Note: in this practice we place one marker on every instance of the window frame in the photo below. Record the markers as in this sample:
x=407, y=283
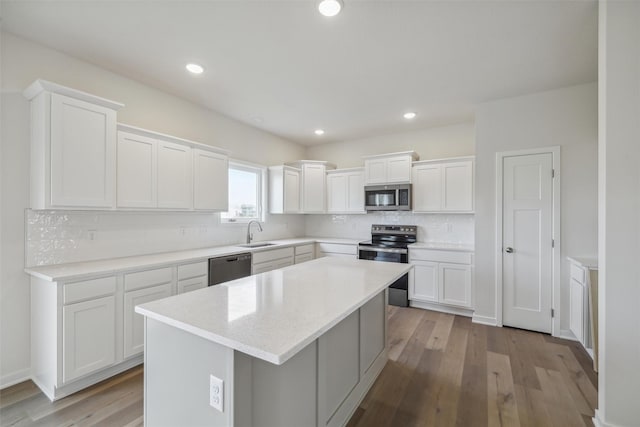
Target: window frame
x=261, y=191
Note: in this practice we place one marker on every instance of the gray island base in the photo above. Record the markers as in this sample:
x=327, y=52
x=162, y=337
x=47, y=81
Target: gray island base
x=294, y=347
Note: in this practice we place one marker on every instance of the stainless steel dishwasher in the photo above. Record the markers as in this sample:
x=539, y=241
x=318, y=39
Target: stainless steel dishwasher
x=231, y=267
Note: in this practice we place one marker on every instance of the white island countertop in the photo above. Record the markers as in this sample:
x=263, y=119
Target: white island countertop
x=274, y=315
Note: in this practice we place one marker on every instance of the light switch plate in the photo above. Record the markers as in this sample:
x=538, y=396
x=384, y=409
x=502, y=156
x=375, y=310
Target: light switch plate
x=216, y=393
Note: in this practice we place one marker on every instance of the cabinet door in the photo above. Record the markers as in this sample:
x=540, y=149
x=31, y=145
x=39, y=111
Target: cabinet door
x=210, y=181
x=355, y=192
x=83, y=148
x=375, y=171
x=313, y=193
x=136, y=171
x=337, y=192
x=576, y=309
x=457, y=186
x=454, y=282
x=399, y=169
x=175, y=179
x=263, y=267
x=193, y=284
x=89, y=334
x=303, y=258
x=427, y=188
x=423, y=281
x=134, y=322
x=283, y=263
x=291, y=191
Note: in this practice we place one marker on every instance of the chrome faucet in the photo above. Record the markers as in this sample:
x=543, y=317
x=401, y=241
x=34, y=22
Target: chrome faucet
x=249, y=233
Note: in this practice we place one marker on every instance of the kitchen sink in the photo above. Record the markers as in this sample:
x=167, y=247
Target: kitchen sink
x=256, y=245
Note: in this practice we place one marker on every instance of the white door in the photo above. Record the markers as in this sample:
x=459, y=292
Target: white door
x=527, y=241
x=457, y=186
x=427, y=188
x=375, y=171
x=399, y=169
x=454, y=282
x=193, y=284
x=134, y=322
x=337, y=192
x=136, y=171
x=210, y=181
x=423, y=281
x=291, y=191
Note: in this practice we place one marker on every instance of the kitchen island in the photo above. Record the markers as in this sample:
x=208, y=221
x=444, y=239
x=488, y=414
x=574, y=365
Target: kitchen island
x=298, y=346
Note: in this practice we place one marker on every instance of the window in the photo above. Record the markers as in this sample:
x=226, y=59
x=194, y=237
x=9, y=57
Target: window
x=245, y=193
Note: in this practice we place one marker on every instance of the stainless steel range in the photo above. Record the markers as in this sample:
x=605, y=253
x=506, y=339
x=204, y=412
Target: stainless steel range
x=389, y=243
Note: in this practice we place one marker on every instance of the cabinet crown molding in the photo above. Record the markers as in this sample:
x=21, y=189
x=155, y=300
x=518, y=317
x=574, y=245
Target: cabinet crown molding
x=445, y=160
x=298, y=163
x=165, y=137
x=39, y=86
x=413, y=154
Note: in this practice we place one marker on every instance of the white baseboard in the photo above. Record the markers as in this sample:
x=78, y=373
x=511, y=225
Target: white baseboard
x=484, y=320
x=15, y=378
x=599, y=422
x=441, y=308
x=566, y=334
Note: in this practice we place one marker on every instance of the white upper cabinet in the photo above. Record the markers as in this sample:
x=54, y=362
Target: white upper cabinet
x=73, y=148
x=136, y=171
x=210, y=180
x=284, y=189
x=345, y=191
x=156, y=171
x=391, y=168
x=443, y=186
x=313, y=185
x=175, y=176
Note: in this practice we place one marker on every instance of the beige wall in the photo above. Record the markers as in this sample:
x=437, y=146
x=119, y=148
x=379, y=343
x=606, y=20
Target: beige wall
x=22, y=63
x=567, y=118
x=433, y=143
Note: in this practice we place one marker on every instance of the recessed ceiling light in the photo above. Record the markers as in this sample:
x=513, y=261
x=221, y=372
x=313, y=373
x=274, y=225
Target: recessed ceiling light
x=194, y=68
x=330, y=7
x=410, y=115
x=318, y=132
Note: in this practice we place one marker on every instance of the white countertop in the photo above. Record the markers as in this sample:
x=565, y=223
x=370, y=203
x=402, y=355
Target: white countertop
x=441, y=246
x=274, y=315
x=585, y=261
x=78, y=270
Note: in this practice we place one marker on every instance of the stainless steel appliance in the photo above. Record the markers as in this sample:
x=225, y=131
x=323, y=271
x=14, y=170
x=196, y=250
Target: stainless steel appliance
x=389, y=243
x=387, y=197
x=225, y=268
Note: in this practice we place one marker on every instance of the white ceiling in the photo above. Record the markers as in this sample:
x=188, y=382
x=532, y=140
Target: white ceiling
x=282, y=67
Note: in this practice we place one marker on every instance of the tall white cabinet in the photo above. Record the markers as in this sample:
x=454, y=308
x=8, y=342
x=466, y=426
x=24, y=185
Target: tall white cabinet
x=443, y=185
x=284, y=189
x=313, y=185
x=73, y=148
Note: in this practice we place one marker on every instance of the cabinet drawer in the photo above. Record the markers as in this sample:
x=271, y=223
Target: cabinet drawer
x=195, y=269
x=258, y=257
x=337, y=248
x=147, y=278
x=577, y=273
x=440, y=256
x=303, y=258
x=304, y=249
x=88, y=289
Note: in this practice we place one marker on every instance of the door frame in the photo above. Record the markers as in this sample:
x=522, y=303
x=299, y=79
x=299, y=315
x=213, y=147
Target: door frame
x=555, y=226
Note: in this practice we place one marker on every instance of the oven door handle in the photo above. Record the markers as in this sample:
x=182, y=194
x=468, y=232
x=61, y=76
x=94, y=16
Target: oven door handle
x=391, y=251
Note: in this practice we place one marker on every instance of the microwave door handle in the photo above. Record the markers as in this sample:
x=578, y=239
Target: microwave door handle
x=397, y=197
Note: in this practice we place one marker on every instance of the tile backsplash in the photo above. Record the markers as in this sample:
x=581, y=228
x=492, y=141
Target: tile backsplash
x=431, y=228
x=56, y=237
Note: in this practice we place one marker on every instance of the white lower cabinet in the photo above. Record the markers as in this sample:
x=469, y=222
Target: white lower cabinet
x=577, y=298
x=583, y=302
x=192, y=276
x=441, y=279
x=134, y=322
x=304, y=253
x=89, y=337
x=264, y=261
x=423, y=281
x=336, y=249
x=193, y=284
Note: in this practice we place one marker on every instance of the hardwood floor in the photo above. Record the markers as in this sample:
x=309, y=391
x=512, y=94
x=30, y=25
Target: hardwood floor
x=443, y=370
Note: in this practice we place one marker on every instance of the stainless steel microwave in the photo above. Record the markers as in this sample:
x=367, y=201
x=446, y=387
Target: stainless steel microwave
x=387, y=197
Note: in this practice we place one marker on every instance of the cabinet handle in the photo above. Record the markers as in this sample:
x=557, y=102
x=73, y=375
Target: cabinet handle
x=509, y=250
